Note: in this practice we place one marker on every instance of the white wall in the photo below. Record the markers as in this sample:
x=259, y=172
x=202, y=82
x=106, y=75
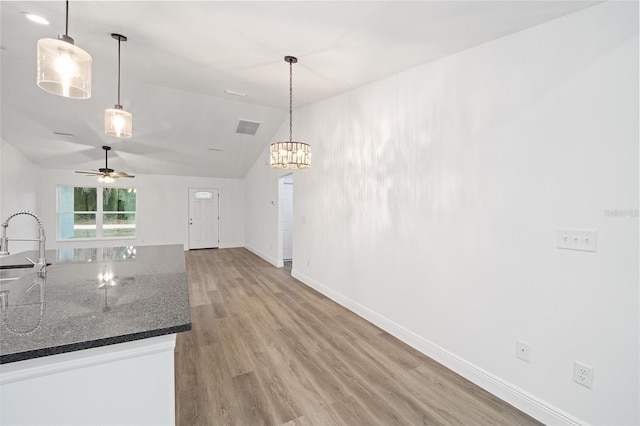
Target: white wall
x=19, y=181
x=261, y=209
x=434, y=199
x=162, y=216
x=162, y=208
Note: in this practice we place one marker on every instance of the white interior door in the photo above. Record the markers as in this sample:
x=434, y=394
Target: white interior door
x=287, y=218
x=203, y=218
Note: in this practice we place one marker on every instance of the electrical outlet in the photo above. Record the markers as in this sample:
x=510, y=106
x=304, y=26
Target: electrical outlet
x=583, y=374
x=523, y=350
x=577, y=239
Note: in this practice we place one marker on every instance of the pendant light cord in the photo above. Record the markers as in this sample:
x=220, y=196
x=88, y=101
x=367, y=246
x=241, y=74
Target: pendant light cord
x=66, y=23
x=290, y=102
x=119, y=70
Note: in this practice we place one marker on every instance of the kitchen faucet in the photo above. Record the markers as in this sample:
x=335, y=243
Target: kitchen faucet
x=41, y=264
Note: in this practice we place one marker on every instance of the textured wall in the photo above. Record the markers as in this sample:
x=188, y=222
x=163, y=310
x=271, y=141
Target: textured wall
x=435, y=196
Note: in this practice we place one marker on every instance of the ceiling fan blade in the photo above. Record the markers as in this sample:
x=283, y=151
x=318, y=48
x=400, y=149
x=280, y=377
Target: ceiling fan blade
x=120, y=174
x=89, y=173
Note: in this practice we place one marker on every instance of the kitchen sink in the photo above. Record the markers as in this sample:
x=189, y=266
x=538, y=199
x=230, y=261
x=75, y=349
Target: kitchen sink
x=14, y=273
x=8, y=273
x=24, y=265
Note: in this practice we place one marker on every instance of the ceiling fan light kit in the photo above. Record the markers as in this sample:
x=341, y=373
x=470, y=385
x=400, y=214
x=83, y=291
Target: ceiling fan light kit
x=105, y=174
x=290, y=154
x=64, y=69
x=117, y=121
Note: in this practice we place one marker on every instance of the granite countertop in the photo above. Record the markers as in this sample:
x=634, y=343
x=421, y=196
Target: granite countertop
x=93, y=297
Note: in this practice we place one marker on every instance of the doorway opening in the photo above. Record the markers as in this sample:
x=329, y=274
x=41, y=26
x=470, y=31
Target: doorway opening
x=285, y=221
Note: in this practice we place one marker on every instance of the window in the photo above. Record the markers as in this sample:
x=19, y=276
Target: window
x=77, y=212
x=203, y=195
x=87, y=212
x=119, y=212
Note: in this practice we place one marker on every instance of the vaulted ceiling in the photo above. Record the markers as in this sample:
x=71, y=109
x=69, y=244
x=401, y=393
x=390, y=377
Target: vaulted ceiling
x=181, y=56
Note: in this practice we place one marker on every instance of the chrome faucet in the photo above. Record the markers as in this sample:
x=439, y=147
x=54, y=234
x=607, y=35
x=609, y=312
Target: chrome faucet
x=41, y=265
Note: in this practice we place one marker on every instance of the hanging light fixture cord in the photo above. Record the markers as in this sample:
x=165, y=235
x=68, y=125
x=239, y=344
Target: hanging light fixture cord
x=66, y=23
x=290, y=101
x=119, y=40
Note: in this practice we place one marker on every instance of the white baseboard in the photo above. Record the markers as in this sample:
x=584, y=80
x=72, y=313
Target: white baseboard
x=519, y=398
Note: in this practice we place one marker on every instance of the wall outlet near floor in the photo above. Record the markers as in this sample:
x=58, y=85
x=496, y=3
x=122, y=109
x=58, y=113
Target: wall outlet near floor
x=577, y=239
x=523, y=350
x=583, y=374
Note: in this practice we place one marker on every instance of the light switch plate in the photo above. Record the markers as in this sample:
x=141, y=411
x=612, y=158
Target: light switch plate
x=578, y=239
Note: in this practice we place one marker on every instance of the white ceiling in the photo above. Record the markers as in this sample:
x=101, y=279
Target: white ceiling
x=182, y=55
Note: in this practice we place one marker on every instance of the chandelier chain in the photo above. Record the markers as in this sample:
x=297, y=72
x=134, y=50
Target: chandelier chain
x=290, y=102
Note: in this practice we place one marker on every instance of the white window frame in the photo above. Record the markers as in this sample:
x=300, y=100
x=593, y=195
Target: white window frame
x=99, y=214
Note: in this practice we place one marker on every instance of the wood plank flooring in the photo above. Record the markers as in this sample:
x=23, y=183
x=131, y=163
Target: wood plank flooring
x=267, y=350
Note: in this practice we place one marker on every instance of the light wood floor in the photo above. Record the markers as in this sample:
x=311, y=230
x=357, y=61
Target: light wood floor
x=267, y=350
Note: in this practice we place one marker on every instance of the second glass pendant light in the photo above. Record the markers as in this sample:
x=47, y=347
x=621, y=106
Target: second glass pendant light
x=117, y=121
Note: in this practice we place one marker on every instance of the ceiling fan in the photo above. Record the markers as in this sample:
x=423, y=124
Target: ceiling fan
x=106, y=174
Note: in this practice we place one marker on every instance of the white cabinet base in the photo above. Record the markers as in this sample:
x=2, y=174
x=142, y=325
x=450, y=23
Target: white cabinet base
x=128, y=383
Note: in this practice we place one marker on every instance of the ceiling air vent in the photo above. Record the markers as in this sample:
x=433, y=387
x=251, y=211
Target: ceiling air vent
x=246, y=127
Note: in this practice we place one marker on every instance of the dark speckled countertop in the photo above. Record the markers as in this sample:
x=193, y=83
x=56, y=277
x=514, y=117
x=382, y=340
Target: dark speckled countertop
x=93, y=297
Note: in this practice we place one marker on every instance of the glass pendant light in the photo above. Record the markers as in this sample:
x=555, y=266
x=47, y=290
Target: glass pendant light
x=117, y=121
x=63, y=68
x=290, y=155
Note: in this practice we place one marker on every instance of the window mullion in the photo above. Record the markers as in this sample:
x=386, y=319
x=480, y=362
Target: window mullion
x=99, y=213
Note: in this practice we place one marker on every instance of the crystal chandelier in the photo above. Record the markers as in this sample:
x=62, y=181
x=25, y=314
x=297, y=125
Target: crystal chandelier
x=290, y=155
